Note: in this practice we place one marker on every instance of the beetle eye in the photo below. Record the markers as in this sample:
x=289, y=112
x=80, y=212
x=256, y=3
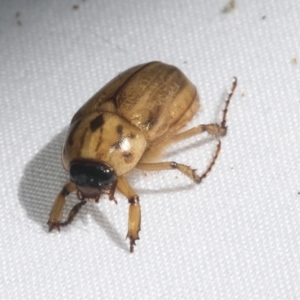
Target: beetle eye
x=91, y=174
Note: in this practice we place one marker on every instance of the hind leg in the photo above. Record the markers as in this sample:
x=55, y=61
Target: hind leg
x=217, y=130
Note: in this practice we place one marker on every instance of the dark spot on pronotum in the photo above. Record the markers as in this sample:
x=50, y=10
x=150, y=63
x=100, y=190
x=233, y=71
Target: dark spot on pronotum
x=128, y=157
x=127, y=154
x=131, y=135
x=119, y=129
x=116, y=145
x=96, y=123
x=72, y=130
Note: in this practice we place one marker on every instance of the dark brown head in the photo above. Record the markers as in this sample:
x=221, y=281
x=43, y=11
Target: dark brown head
x=91, y=178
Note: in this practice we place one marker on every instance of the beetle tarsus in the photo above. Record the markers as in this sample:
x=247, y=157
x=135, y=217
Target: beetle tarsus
x=208, y=169
x=57, y=225
x=53, y=225
x=115, y=200
x=132, y=243
x=71, y=216
x=227, y=102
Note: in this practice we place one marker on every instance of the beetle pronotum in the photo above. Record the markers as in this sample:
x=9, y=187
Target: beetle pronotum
x=126, y=125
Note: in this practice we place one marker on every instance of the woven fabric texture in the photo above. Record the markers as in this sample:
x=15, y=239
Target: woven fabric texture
x=234, y=236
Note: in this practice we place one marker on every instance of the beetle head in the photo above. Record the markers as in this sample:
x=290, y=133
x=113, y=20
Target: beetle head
x=91, y=177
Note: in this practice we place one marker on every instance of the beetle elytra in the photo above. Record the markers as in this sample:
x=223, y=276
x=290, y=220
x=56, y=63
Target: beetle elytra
x=126, y=125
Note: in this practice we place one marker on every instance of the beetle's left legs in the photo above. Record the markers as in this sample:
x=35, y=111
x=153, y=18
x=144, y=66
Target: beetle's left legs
x=186, y=170
x=73, y=212
x=111, y=193
x=58, y=205
x=134, y=218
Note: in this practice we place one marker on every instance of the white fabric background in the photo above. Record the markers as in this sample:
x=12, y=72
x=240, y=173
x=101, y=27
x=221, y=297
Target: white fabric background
x=235, y=236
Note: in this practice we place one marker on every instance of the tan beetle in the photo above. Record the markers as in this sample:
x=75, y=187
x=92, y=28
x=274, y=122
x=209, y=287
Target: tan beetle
x=126, y=125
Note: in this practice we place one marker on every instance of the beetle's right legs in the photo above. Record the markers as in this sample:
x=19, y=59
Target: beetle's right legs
x=213, y=129
x=186, y=170
x=58, y=205
x=134, y=217
x=217, y=130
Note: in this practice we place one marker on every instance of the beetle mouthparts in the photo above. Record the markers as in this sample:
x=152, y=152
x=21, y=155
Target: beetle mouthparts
x=88, y=192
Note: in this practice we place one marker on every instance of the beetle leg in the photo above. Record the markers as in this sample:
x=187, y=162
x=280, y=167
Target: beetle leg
x=58, y=205
x=112, y=190
x=227, y=101
x=73, y=212
x=186, y=170
x=217, y=130
x=213, y=129
x=134, y=218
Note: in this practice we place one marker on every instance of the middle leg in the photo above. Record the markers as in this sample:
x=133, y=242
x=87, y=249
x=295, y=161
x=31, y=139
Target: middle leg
x=186, y=170
x=216, y=130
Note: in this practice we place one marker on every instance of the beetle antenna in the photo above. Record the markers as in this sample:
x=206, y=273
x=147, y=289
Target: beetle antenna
x=227, y=101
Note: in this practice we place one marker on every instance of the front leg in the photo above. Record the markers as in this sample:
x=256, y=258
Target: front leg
x=134, y=218
x=58, y=206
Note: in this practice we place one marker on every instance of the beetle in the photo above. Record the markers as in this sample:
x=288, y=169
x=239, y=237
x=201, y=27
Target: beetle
x=126, y=125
